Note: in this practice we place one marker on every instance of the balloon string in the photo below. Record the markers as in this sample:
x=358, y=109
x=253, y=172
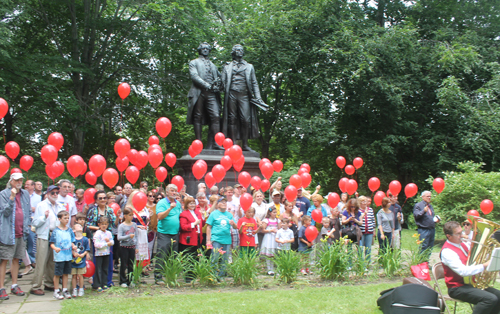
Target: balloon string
x=121, y=117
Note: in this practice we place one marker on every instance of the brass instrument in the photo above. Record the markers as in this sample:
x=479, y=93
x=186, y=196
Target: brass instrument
x=481, y=250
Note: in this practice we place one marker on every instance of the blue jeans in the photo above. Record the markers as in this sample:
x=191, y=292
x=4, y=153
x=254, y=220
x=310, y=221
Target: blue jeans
x=386, y=243
x=223, y=259
x=427, y=236
x=366, y=246
x=31, y=246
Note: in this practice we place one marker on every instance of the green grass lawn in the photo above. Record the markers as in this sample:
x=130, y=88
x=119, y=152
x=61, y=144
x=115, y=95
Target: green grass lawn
x=340, y=299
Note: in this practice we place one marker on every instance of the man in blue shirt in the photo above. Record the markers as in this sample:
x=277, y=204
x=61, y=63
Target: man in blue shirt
x=424, y=218
x=302, y=202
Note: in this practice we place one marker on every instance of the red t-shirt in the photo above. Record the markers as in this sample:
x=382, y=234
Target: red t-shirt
x=247, y=238
x=19, y=223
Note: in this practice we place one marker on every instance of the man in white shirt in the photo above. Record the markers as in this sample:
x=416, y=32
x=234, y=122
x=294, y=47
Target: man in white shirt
x=454, y=256
x=67, y=201
x=34, y=200
x=233, y=206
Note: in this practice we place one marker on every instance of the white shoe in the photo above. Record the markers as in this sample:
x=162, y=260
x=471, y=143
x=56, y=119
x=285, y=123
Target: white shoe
x=124, y=285
x=75, y=293
x=81, y=292
x=66, y=294
x=58, y=296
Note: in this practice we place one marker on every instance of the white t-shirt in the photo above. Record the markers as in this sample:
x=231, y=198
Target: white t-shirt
x=68, y=203
x=283, y=234
x=260, y=210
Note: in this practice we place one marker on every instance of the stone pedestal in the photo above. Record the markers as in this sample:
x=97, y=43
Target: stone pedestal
x=213, y=157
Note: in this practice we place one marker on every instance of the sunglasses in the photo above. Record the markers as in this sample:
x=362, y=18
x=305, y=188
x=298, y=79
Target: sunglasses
x=54, y=193
x=102, y=198
x=151, y=196
x=466, y=224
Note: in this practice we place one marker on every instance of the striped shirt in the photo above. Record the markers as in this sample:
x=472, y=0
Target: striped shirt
x=368, y=220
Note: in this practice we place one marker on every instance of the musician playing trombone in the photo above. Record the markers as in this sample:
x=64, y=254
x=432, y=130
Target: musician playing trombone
x=454, y=256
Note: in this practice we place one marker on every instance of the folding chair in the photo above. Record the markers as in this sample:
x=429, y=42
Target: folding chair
x=438, y=273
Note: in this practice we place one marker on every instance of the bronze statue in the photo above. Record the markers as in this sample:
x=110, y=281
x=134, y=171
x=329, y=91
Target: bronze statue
x=241, y=99
x=204, y=96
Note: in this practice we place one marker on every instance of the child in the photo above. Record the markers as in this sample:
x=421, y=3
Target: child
x=103, y=239
x=79, y=262
x=327, y=232
x=304, y=244
x=81, y=219
x=284, y=236
x=270, y=226
x=126, y=235
x=62, y=242
x=247, y=227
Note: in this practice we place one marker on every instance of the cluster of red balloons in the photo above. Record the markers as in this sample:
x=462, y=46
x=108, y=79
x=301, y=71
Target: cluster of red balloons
x=349, y=186
x=195, y=148
x=349, y=169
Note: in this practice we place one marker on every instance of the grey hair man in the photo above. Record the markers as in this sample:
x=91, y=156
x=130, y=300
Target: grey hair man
x=66, y=200
x=424, y=218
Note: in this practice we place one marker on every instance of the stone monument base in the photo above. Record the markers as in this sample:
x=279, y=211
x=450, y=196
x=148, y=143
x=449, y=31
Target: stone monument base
x=212, y=157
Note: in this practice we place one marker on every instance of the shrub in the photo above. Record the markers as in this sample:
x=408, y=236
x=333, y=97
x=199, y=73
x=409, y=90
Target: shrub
x=244, y=268
x=204, y=269
x=287, y=264
x=390, y=260
x=333, y=260
x=135, y=275
x=172, y=267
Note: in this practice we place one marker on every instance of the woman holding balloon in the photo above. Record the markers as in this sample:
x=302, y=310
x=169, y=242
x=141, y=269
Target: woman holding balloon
x=367, y=227
x=317, y=207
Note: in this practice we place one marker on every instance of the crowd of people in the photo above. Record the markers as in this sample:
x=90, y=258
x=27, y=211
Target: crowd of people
x=55, y=231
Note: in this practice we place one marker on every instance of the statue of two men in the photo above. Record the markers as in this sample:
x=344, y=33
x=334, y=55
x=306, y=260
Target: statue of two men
x=241, y=97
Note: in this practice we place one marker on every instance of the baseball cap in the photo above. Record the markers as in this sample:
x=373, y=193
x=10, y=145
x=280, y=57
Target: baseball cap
x=52, y=187
x=222, y=199
x=237, y=185
x=276, y=193
x=16, y=176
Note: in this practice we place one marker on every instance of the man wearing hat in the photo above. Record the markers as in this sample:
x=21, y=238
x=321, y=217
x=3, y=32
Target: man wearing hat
x=276, y=203
x=45, y=221
x=302, y=202
x=15, y=221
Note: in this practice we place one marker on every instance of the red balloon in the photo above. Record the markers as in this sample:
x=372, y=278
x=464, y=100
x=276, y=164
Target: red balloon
x=59, y=167
x=197, y=146
x=178, y=181
x=56, y=139
x=12, y=149
x=91, y=178
x=139, y=201
x=373, y=184
x=199, y=169
x=191, y=152
x=291, y=193
x=161, y=174
x=349, y=169
x=227, y=143
x=246, y=201
x=49, y=154
x=379, y=196
x=340, y=162
x=153, y=139
x=110, y=177
x=122, y=147
x=163, y=127
x=256, y=182
x=209, y=180
x=116, y=208
x=123, y=90
x=333, y=199
x=306, y=179
x=226, y=162
x=438, y=185
x=306, y=166
x=351, y=186
x=277, y=165
x=301, y=171
x=473, y=212
x=121, y=163
x=51, y=171
x=97, y=164
x=90, y=269
x=142, y=159
x=486, y=206
x=218, y=172
x=411, y=190
x=15, y=170
x=155, y=158
x=88, y=196
x=75, y=165
x=238, y=165
x=317, y=215
x=357, y=162
x=4, y=165
x=26, y=162
x=263, y=161
x=4, y=108
x=219, y=138
x=342, y=184
x=265, y=185
x=311, y=233
x=84, y=169
x=244, y=179
x=235, y=152
x=154, y=146
x=395, y=187
x=267, y=170
x=132, y=174
x=170, y=159
x=132, y=156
